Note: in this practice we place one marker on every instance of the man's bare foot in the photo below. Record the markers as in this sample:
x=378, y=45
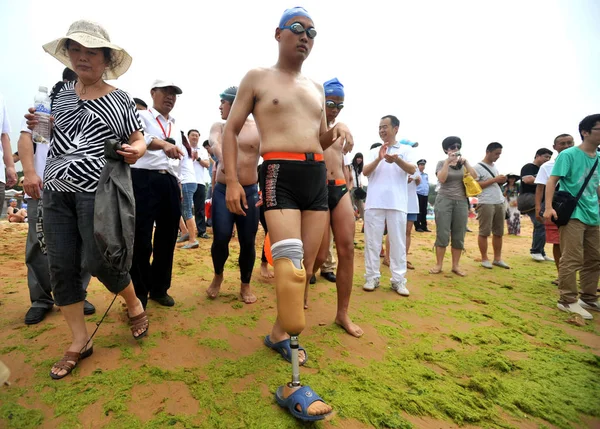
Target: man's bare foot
x=75, y=347
x=317, y=408
x=459, y=272
x=246, y=294
x=435, y=270
x=215, y=287
x=349, y=326
x=265, y=272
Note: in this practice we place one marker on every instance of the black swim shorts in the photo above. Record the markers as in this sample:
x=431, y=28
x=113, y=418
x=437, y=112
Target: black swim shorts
x=336, y=192
x=296, y=185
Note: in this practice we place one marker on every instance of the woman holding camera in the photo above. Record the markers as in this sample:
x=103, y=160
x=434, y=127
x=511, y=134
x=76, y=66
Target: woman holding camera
x=451, y=208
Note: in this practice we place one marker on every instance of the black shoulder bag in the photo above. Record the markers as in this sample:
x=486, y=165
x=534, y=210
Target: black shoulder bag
x=564, y=203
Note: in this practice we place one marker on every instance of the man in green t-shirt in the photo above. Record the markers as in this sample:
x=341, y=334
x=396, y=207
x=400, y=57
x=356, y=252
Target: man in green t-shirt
x=580, y=238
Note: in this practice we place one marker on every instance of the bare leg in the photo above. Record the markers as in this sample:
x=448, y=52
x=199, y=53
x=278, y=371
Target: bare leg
x=386, y=257
x=134, y=305
x=342, y=222
x=439, y=258
x=497, y=245
x=321, y=257
x=455, y=260
x=191, y=229
x=182, y=227
x=483, y=247
x=73, y=315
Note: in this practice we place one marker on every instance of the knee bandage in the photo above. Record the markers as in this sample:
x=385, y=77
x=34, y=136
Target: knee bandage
x=290, y=281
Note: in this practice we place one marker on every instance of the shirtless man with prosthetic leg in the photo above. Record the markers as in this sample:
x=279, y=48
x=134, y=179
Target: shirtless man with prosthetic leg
x=341, y=214
x=289, y=110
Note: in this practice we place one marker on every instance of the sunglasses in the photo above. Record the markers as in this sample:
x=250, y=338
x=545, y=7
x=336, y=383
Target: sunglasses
x=298, y=28
x=333, y=105
x=454, y=147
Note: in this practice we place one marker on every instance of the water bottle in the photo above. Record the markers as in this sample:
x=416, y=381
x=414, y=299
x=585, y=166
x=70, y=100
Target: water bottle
x=41, y=132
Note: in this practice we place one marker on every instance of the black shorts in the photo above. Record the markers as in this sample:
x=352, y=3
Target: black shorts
x=336, y=192
x=296, y=185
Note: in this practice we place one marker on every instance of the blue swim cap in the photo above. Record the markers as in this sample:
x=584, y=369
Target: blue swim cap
x=333, y=87
x=291, y=13
x=229, y=94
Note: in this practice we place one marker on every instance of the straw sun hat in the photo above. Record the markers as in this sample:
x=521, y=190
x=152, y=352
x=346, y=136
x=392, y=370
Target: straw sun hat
x=90, y=35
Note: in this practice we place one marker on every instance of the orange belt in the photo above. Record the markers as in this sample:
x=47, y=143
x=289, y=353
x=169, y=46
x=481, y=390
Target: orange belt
x=293, y=156
x=336, y=182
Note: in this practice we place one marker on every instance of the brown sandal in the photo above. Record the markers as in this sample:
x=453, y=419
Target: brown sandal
x=409, y=265
x=138, y=322
x=67, y=364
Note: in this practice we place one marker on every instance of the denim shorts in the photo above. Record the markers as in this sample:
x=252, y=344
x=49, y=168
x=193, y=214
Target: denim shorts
x=188, y=190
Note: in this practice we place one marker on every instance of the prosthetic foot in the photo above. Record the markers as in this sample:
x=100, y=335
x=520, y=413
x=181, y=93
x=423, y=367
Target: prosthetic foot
x=290, y=282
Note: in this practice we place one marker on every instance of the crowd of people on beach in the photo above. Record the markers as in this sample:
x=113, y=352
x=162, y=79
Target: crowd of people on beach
x=281, y=159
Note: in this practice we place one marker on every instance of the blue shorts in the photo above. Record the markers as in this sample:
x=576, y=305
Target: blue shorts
x=188, y=190
x=412, y=217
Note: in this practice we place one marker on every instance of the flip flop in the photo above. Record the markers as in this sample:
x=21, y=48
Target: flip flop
x=284, y=349
x=304, y=397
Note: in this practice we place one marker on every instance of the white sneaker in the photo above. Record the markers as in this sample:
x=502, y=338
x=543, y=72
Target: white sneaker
x=537, y=257
x=400, y=287
x=574, y=308
x=371, y=285
x=548, y=258
x=594, y=306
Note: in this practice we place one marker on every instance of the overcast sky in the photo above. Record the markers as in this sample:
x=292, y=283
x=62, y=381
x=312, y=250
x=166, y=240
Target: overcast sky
x=517, y=72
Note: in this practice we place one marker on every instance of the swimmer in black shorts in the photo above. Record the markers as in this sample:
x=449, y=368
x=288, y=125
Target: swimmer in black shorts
x=341, y=214
x=293, y=136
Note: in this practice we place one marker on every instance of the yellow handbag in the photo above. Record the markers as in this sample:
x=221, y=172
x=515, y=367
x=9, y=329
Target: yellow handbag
x=472, y=187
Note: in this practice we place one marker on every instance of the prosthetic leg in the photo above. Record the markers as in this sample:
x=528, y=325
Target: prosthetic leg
x=289, y=288
x=290, y=282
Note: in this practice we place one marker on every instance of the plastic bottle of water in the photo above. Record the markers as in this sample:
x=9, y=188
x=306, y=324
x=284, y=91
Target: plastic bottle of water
x=41, y=132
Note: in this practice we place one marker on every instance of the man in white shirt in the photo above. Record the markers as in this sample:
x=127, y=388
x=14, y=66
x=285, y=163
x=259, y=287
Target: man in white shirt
x=201, y=163
x=387, y=203
x=157, y=197
x=561, y=142
x=8, y=178
x=491, y=210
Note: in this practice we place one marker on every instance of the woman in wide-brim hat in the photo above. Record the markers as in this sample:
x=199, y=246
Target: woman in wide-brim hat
x=86, y=113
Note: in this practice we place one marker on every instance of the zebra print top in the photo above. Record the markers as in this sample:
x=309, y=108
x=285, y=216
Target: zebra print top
x=76, y=155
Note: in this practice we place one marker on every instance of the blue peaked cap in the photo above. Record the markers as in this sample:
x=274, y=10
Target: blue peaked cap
x=333, y=87
x=291, y=13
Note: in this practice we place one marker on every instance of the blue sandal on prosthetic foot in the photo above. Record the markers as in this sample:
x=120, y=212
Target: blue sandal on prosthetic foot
x=284, y=349
x=304, y=397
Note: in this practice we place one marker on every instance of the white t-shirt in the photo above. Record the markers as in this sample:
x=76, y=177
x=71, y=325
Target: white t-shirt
x=4, y=129
x=544, y=173
x=388, y=184
x=198, y=169
x=187, y=174
x=413, y=199
x=493, y=193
